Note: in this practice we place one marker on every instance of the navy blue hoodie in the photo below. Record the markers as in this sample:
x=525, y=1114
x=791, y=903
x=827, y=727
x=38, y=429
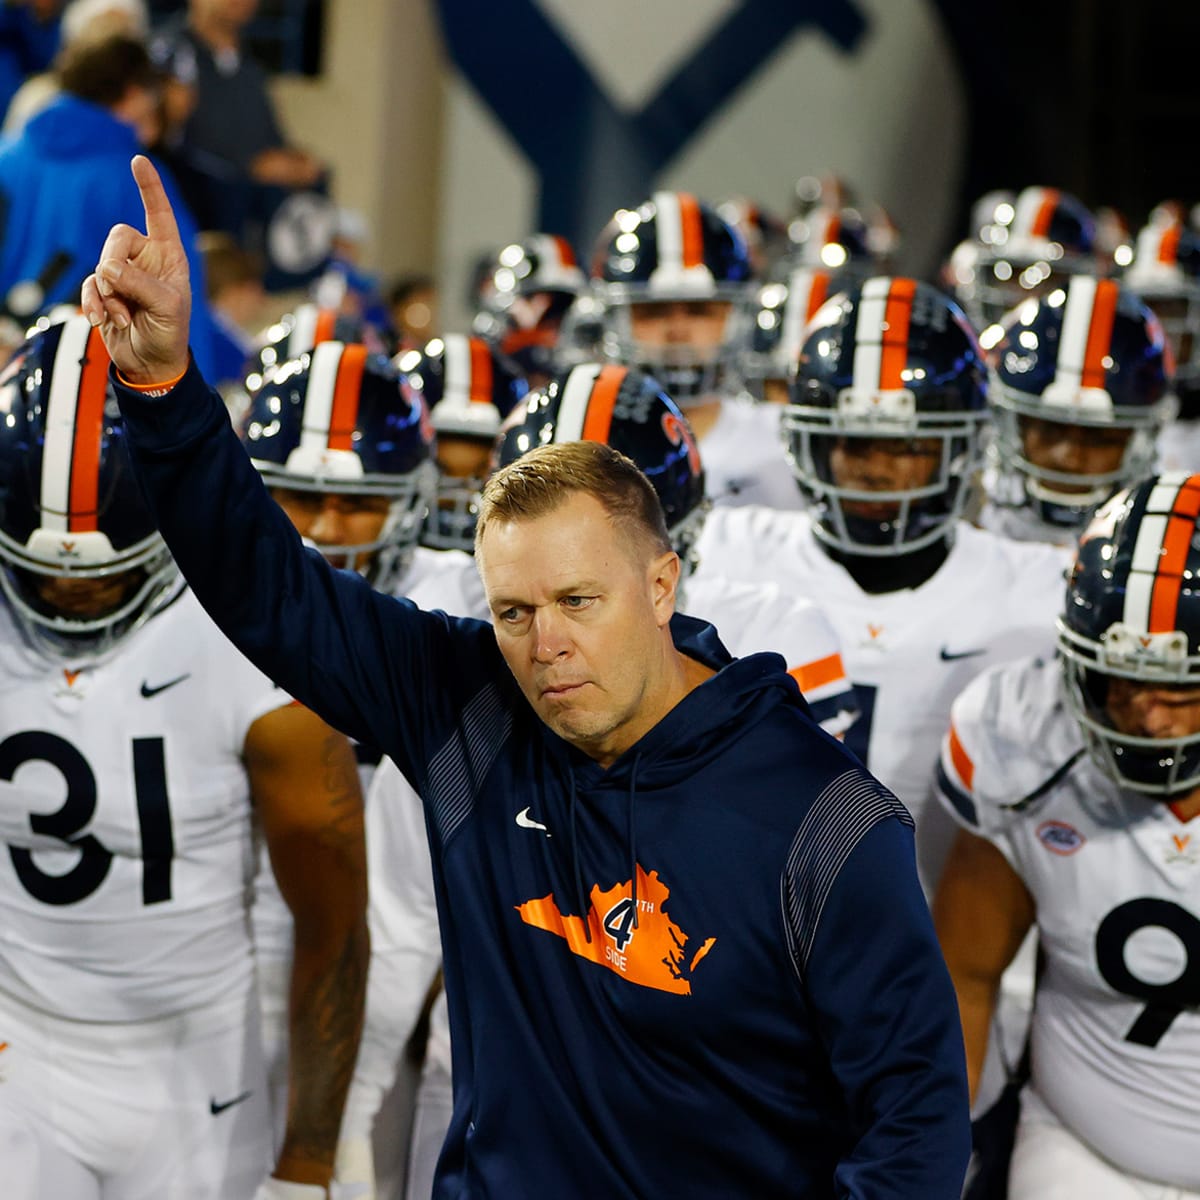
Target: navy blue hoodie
x=776, y=1022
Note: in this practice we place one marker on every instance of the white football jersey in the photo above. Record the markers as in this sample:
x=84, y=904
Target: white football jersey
x=910, y=652
x=744, y=458
x=125, y=813
x=1116, y=880
x=754, y=617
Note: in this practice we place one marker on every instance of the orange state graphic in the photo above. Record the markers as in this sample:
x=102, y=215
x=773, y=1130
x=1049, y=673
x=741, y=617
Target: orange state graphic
x=655, y=954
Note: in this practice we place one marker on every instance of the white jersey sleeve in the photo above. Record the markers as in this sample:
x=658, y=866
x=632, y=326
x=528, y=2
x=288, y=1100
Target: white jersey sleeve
x=125, y=807
x=755, y=617
x=405, y=941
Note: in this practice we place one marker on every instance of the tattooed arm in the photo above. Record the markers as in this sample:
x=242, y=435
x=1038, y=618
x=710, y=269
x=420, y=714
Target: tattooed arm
x=305, y=785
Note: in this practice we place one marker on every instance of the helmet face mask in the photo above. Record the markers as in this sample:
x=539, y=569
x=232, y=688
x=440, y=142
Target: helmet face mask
x=81, y=562
x=1132, y=624
x=909, y=389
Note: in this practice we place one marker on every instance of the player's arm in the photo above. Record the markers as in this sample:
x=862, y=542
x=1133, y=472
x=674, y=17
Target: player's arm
x=982, y=912
x=305, y=785
x=370, y=665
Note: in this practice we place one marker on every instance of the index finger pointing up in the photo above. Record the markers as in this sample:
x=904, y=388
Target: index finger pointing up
x=160, y=220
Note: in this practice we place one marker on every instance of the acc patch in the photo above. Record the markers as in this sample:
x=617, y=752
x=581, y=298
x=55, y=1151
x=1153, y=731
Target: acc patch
x=1060, y=838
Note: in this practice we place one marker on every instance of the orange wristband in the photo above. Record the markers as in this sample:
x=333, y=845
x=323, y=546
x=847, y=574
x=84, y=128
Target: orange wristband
x=152, y=389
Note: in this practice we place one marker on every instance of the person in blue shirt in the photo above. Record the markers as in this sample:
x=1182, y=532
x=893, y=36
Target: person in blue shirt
x=686, y=953
x=64, y=182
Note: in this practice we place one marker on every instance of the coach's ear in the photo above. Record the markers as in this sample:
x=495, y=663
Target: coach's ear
x=140, y=294
x=663, y=576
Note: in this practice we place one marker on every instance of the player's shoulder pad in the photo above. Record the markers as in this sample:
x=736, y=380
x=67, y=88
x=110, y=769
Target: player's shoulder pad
x=1004, y=739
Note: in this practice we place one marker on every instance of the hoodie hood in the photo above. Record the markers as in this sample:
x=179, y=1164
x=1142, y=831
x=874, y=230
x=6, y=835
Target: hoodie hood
x=696, y=730
x=70, y=128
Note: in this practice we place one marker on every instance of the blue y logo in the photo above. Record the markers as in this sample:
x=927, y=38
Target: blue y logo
x=592, y=157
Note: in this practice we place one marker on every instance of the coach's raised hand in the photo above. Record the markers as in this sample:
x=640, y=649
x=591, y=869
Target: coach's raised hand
x=139, y=294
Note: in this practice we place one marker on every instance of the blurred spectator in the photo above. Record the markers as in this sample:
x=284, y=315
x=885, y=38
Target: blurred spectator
x=345, y=284
x=82, y=20
x=233, y=125
x=413, y=303
x=65, y=181
x=236, y=297
x=28, y=42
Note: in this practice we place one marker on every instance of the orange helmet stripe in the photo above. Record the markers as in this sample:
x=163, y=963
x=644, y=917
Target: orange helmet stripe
x=564, y=250
x=961, y=759
x=897, y=318
x=1099, y=340
x=481, y=371
x=346, y=392
x=325, y=327
x=85, y=448
x=1177, y=538
x=598, y=423
x=691, y=229
x=1045, y=213
x=1168, y=246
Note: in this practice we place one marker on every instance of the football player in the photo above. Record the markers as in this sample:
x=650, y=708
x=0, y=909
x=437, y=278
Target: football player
x=1021, y=247
x=524, y=295
x=1079, y=396
x=1166, y=274
x=672, y=276
x=139, y=752
x=888, y=405
x=1076, y=783
x=467, y=387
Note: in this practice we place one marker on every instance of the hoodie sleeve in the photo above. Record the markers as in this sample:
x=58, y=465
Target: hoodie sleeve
x=372, y=666
x=863, y=946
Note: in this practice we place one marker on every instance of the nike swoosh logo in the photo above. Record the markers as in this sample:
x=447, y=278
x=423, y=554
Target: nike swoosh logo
x=216, y=1109
x=955, y=655
x=527, y=822
x=148, y=691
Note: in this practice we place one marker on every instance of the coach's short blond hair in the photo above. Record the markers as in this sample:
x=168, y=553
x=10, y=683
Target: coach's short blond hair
x=538, y=482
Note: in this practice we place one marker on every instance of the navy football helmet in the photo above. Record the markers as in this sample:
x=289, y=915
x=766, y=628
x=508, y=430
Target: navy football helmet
x=773, y=327
x=343, y=420
x=1133, y=612
x=673, y=248
x=1089, y=355
x=524, y=298
x=630, y=412
x=70, y=505
x=890, y=360
x=838, y=240
x=468, y=388
x=1166, y=274
x=1030, y=246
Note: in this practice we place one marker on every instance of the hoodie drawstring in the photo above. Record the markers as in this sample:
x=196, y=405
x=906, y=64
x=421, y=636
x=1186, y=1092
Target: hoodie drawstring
x=633, y=867
x=581, y=900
